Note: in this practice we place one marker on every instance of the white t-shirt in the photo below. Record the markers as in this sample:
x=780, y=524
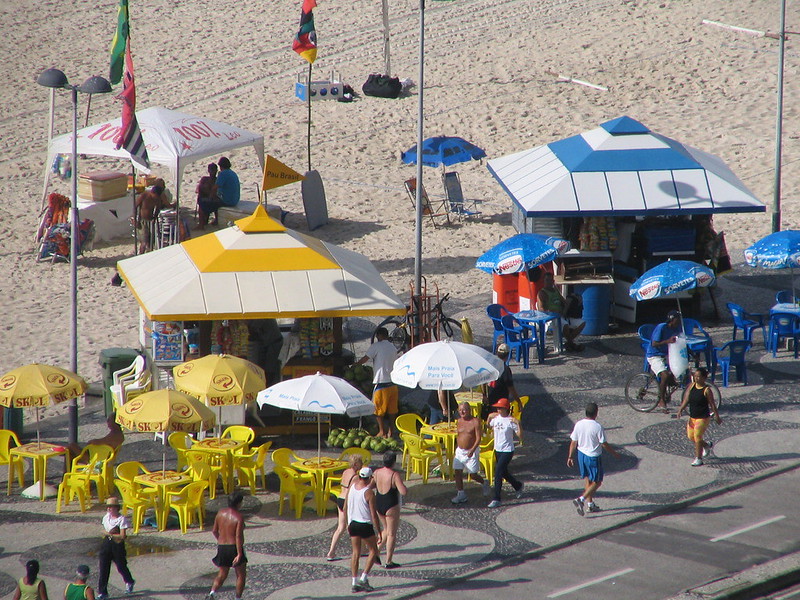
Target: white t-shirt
x=504, y=430
x=383, y=354
x=590, y=437
x=110, y=522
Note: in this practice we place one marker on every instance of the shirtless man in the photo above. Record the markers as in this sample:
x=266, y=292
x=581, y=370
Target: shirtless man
x=147, y=206
x=113, y=438
x=229, y=531
x=468, y=448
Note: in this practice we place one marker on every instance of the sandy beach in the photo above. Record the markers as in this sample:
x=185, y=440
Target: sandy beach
x=487, y=80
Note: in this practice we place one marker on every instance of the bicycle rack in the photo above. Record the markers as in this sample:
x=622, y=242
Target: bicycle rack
x=421, y=325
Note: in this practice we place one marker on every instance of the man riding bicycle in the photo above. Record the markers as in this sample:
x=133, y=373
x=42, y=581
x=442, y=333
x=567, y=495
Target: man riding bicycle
x=664, y=334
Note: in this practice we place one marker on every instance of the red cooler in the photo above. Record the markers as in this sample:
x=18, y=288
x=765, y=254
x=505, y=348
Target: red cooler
x=505, y=291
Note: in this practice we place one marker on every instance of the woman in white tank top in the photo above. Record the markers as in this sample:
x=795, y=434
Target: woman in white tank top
x=363, y=526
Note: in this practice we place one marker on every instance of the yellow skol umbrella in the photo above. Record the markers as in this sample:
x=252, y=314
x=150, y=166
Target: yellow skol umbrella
x=165, y=410
x=220, y=380
x=37, y=385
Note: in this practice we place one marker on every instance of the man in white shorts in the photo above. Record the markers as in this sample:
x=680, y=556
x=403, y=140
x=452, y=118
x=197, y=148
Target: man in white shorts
x=468, y=448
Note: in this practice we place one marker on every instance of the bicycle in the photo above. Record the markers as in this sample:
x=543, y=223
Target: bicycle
x=400, y=327
x=641, y=390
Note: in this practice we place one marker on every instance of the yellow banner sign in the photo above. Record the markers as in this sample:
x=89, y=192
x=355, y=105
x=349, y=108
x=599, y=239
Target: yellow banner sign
x=277, y=174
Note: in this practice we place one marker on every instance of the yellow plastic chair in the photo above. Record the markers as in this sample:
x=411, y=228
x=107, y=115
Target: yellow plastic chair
x=487, y=458
x=8, y=440
x=101, y=458
x=249, y=465
x=366, y=455
x=240, y=433
x=136, y=502
x=295, y=487
x=180, y=441
x=76, y=483
x=420, y=457
x=189, y=504
x=410, y=424
x=516, y=409
x=127, y=472
x=196, y=460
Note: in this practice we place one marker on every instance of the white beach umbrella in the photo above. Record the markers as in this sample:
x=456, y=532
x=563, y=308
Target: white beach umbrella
x=321, y=394
x=446, y=365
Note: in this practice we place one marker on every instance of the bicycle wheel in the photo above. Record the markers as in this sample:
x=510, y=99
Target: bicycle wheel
x=397, y=333
x=449, y=329
x=641, y=392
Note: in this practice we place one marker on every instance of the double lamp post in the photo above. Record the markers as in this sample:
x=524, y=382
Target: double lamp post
x=55, y=79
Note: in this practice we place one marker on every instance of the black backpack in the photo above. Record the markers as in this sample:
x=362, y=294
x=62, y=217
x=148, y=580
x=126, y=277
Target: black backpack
x=382, y=86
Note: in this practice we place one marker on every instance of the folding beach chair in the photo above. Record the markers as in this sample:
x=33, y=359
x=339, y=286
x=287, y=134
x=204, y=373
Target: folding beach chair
x=455, y=197
x=427, y=206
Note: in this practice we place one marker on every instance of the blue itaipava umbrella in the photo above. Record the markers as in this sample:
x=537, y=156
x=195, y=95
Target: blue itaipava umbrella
x=521, y=252
x=671, y=277
x=444, y=151
x=779, y=250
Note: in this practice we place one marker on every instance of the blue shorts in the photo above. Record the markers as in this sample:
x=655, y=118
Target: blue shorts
x=591, y=467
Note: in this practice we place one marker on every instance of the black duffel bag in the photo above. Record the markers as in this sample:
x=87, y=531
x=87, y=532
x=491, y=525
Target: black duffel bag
x=382, y=86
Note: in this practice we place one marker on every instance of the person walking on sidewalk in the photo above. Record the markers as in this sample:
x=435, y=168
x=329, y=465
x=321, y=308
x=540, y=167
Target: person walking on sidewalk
x=469, y=431
x=79, y=589
x=364, y=526
x=503, y=386
x=31, y=587
x=700, y=399
x=505, y=427
x=389, y=489
x=112, y=549
x=589, y=438
x=350, y=473
x=229, y=531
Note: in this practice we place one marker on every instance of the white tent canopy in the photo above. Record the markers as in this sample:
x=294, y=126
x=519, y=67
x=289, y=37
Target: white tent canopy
x=172, y=138
x=620, y=168
x=256, y=269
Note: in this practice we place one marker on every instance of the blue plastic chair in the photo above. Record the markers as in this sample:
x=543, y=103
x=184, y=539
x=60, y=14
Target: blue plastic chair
x=518, y=338
x=747, y=322
x=783, y=326
x=495, y=312
x=645, y=335
x=730, y=355
x=784, y=297
x=692, y=327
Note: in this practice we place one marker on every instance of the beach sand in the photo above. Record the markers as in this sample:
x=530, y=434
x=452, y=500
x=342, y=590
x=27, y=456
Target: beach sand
x=486, y=79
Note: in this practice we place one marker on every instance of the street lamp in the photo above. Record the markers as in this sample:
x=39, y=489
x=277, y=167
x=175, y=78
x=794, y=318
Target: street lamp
x=55, y=79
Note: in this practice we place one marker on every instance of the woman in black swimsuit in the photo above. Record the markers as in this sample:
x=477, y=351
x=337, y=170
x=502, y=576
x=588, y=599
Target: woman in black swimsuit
x=347, y=477
x=389, y=487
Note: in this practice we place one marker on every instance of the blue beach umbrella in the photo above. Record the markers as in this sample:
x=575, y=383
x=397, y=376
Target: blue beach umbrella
x=670, y=278
x=779, y=250
x=521, y=252
x=443, y=151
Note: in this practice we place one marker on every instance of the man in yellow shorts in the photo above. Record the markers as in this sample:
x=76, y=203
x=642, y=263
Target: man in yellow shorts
x=385, y=394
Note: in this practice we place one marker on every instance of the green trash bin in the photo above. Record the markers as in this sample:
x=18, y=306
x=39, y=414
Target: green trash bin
x=114, y=359
x=12, y=419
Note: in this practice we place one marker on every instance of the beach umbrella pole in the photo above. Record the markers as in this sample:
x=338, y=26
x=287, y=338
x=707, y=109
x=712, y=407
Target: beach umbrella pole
x=319, y=437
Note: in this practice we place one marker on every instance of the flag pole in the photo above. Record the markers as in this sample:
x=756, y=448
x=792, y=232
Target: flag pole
x=308, y=95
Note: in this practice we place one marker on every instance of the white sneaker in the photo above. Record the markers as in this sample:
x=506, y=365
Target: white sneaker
x=460, y=497
x=486, y=488
x=707, y=448
x=698, y=462
x=494, y=503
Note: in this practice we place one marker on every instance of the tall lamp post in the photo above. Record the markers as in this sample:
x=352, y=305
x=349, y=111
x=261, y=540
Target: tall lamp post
x=55, y=78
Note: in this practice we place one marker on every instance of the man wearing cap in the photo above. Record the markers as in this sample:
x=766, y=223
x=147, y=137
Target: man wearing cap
x=504, y=427
x=112, y=549
x=664, y=334
x=79, y=589
x=363, y=526
x=503, y=387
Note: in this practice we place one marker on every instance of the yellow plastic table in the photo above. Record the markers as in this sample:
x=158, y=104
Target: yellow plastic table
x=38, y=452
x=225, y=447
x=446, y=433
x=320, y=468
x=163, y=481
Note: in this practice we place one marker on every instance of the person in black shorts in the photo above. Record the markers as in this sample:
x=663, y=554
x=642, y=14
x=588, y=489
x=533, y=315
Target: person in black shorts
x=356, y=462
x=229, y=531
x=389, y=487
x=364, y=526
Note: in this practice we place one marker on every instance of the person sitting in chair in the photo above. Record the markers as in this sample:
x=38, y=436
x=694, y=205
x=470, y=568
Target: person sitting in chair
x=570, y=309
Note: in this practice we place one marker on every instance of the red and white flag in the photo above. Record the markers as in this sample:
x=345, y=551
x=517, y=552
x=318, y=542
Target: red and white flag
x=130, y=136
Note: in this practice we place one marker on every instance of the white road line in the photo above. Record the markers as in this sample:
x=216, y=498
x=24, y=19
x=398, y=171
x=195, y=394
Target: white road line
x=566, y=591
x=748, y=528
